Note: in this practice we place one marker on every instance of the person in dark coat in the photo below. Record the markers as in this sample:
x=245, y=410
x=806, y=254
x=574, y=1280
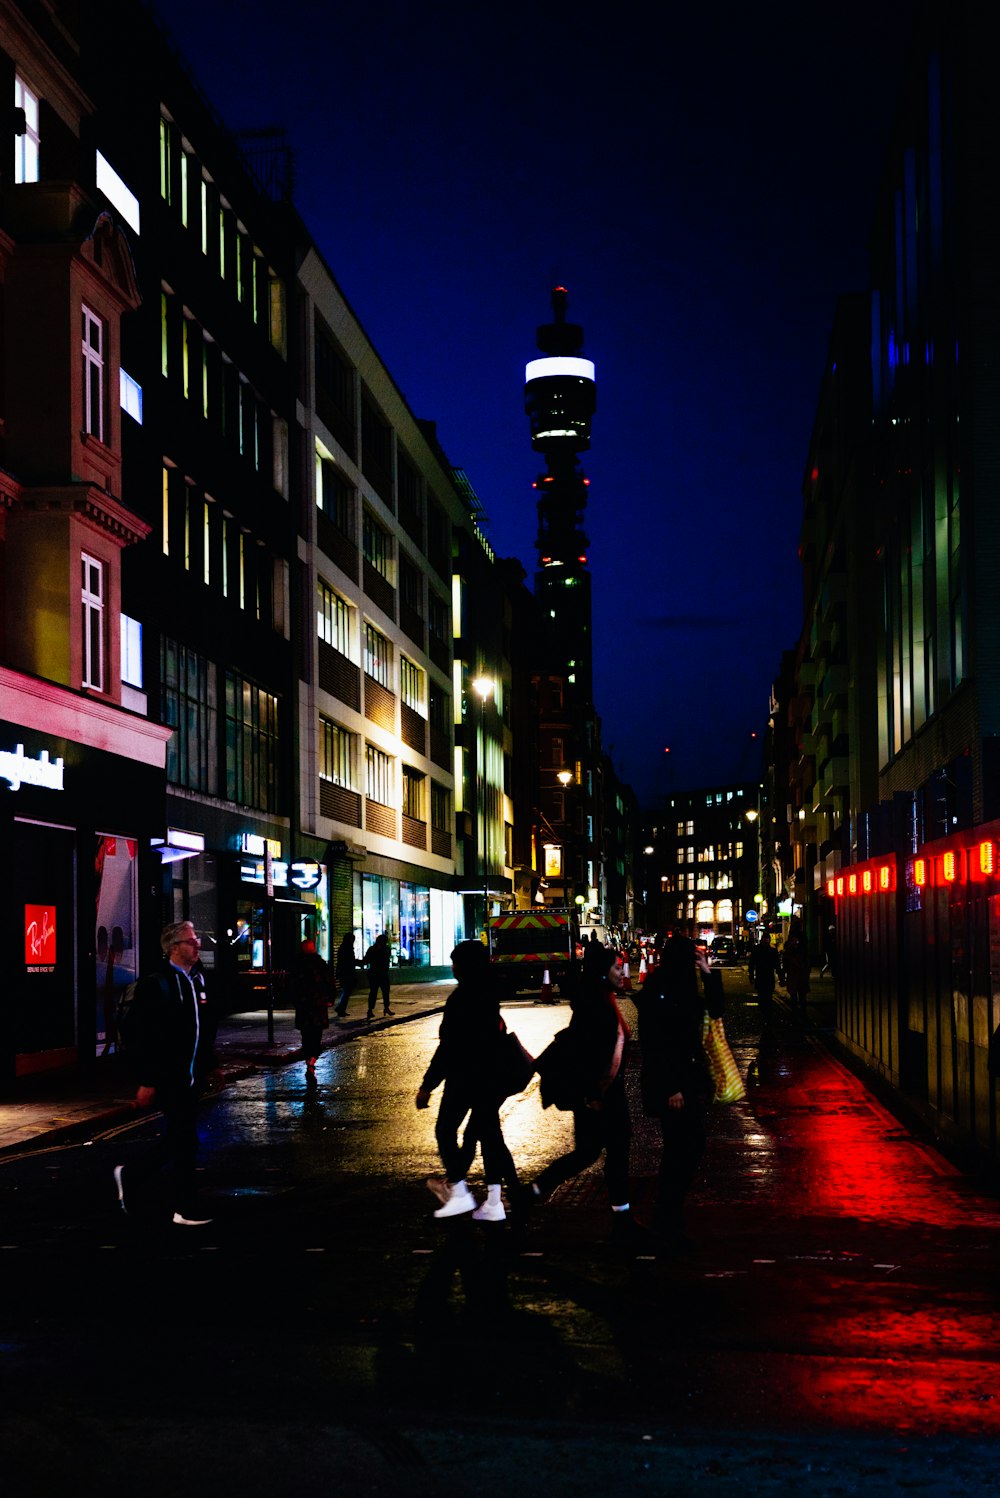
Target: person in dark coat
x=675, y=1081
x=765, y=969
x=347, y=972
x=582, y=1071
x=312, y=985
x=377, y=963
x=467, y=1060
x=170, y=1040
x=796, y=966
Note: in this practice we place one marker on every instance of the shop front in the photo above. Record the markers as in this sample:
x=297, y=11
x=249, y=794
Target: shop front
x=78, y=822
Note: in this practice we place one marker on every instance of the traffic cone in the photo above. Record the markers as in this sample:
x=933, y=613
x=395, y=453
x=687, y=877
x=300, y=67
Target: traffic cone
x=642, y=968
x=626, y=980
x=546, y=992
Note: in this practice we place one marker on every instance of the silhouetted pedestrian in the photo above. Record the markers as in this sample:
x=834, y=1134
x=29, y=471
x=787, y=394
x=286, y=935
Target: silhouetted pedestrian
x=468, y=1061
x=675, y=1081
x=346, y=971
x=581, y=1071
x=377, y=963
x=312, y=984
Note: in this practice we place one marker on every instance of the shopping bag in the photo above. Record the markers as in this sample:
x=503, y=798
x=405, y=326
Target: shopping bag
x=729, y=1085
x=516, y=1067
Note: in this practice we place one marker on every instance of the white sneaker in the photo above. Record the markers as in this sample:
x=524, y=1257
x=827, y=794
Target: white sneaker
x=190, y=1222
x=460, y=1199
x=490, y=1212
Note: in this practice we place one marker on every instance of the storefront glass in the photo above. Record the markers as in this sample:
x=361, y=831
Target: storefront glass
x=414, y=925
x=116, y=873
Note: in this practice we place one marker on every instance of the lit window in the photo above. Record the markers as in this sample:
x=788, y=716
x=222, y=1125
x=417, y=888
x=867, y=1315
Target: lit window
x=116, y=192
x=411, y=683
x=377, y=655
x=92, y=599
x=26, y=144
x=335, y=758
x=333, y=618
x=130, y=396
x=131, y=651
x=375, y=545
x=378, y=776
x=93, y=374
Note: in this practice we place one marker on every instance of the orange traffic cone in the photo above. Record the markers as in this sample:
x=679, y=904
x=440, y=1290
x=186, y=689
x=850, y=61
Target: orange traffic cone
x=546, y=992
x=642, y=968
x=626, y=980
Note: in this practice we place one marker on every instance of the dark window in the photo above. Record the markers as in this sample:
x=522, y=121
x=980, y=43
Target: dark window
x=188, y=706
x=335, y=401
x=376, y=448
x=251, y=744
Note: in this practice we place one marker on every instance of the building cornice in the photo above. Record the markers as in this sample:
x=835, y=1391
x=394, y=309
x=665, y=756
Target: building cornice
x=46, y=707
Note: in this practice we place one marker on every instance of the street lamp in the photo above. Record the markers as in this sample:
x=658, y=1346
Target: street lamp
x=753, y=815
x=564, y=777
x=483, y=686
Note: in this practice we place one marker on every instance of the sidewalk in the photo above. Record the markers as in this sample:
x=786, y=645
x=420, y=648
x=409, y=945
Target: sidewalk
x=52, y=1106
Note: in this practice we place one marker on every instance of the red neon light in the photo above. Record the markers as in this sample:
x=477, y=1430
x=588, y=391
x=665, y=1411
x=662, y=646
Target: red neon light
x=866, y=881
x=987, y=858
x=581, y=559
x=840, y=885
x=831, y=887
x=920, y=872
x=852, y=884
x=885, y=876
x=949, y=868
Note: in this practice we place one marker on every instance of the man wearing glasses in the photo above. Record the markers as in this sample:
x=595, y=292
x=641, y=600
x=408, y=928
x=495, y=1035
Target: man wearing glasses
x=170, y=1042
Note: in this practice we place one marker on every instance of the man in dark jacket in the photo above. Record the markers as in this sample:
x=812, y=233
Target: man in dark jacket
x=170, y=1040
x=675, y=1080
x=377, y=963
x=582, y=1070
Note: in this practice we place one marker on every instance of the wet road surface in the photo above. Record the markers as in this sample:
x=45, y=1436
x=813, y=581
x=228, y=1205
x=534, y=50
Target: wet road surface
x=843, y=1297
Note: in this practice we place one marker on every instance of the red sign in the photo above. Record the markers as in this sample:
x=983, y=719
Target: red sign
x=40, y=937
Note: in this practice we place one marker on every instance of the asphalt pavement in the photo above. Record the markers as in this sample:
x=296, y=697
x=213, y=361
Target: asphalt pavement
x=834, y=1328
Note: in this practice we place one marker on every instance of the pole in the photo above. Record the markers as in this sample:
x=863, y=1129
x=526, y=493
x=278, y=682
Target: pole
x=268, y=964
x=482, y=804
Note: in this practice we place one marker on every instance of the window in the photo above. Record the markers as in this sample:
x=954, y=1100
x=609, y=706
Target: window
x=411, y=684
x=440, y=807
x=93, y=374
x=92, y=598
x=166, y=160
x=377, y=655
x=117, y=193
x=130, y=396
x=437, y=617
x=411, y=586
x=439, y=709
x=378, y=776
x=375, y=544
x=334, y=494
x=557, y=753
x=333, y=618
x=188, y=706
x=413, y=794
x=131, y=630
x=251, y=744
x=336, y=761
x=26, y=144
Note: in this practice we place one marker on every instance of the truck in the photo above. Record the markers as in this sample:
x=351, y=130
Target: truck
x=524, y=945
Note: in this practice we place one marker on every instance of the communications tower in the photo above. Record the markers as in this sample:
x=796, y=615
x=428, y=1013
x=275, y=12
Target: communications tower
x=560, y=398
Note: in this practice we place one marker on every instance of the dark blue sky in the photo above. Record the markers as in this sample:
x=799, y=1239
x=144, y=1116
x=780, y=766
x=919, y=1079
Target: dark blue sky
x=703, y=187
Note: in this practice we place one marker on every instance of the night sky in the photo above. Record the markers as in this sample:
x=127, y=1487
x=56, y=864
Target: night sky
x=704, y=189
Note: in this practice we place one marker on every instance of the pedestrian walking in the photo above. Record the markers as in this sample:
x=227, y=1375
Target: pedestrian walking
x=377, y=963
x=346, y=971
x=469, y=1061
x=581, y=1071
x=796, y=966
x=170, y=1038
x=765, y=971
x=312, y=985
x=675, y=1081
